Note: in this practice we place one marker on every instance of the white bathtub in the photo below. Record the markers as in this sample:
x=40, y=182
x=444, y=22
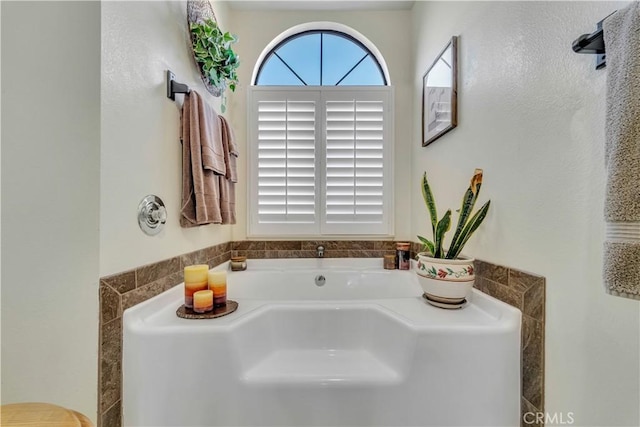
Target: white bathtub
x=362, y=350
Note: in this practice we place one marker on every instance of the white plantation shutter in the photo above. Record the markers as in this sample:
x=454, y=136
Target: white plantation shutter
x=285, y=193
x=356, y=142
x=320, y=161
x=286, y=161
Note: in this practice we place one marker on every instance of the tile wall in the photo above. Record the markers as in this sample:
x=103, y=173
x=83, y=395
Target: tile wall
x=121, y=291
x=118, y=292
x=307, y=248
x=526, y=292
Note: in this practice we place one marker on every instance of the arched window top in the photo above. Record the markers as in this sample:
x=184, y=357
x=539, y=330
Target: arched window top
x=320, y=54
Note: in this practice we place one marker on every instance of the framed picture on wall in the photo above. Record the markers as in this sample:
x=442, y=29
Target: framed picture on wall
x=439, y=94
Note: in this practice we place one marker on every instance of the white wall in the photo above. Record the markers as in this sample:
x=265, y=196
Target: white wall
x=388, y=30
x=50, y=202
x=140, y=151
x=531, y=114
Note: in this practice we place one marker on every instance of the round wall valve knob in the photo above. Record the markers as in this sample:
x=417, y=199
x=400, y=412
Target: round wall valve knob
x=152, y=215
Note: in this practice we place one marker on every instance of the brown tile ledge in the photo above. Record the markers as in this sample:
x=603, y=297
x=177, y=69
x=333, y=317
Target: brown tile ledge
x=526, y=292
x=120, y=291
x=260, y=249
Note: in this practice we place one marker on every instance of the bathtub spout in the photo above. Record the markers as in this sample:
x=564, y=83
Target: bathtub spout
x=320, y=251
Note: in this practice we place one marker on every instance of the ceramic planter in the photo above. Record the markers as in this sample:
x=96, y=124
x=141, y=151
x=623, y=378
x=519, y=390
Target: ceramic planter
x=446, y=282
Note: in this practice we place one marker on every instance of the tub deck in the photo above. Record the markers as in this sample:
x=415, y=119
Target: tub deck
x=364, y=349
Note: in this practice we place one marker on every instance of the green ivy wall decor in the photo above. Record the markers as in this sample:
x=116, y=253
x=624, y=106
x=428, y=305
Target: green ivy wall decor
x=213, y=53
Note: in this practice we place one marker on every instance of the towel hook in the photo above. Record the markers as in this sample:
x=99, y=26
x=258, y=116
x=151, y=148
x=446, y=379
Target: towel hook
x=593, y=43
x=174, y=87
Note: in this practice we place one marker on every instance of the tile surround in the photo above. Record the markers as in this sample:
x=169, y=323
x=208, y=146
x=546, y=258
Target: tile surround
x=120, y=291
x=526, y=292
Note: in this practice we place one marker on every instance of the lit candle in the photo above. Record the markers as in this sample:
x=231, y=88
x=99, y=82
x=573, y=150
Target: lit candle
x=195, y=279
x=203, y=301
x=218, y=284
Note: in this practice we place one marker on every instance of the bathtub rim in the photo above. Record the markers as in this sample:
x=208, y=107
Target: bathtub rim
x=501, y=316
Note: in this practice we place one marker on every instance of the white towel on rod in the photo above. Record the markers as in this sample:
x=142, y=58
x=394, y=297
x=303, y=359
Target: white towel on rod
x=621, y=261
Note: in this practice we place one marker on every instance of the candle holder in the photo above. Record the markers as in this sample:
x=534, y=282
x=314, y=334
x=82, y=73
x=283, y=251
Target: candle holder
x=238, y=263
x=188, y=313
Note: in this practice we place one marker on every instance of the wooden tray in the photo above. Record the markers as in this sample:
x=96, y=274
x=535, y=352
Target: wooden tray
x=187, y=313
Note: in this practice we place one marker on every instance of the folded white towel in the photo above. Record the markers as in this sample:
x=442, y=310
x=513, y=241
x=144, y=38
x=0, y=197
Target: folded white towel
x=621, y=267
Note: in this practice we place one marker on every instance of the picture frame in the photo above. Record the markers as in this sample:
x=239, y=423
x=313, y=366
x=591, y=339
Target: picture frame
x=440, y=94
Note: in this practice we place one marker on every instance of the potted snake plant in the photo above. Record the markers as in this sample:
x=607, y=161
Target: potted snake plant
x=446, y=277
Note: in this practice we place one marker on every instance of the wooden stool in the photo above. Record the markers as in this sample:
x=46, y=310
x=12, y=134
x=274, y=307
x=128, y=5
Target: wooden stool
x=41, y=414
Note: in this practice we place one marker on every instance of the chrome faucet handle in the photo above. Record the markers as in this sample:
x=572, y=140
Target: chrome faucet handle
x=152, y=215
x=158, y=214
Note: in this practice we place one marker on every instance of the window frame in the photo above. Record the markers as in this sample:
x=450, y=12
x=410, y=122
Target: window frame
x=323, y=25
x=257, y=230
x=268, y=56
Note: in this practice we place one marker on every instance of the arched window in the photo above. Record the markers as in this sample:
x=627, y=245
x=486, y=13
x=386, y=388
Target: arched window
x=320, y=136
x=320, y=58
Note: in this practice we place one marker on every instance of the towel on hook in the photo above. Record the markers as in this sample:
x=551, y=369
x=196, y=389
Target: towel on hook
x=200, y=186
x=621, y=269
x=228, y=183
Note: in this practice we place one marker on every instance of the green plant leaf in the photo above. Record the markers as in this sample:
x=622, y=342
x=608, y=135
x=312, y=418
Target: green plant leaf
x=468, y=202
x=213, y=52
x=213, y=76
x=471, y=226
x=427, y=245
x=431, y=204
x=443, y=226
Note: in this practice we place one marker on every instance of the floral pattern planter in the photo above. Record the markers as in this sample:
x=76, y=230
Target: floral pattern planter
x=445, y=280
x=429, y=270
